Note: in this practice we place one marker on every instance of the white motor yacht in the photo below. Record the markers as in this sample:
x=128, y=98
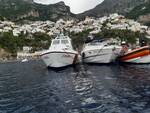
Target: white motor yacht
x=60, y=53
x=98, y=51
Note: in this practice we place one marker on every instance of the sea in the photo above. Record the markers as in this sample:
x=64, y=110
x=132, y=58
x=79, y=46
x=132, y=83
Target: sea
x=30, y=87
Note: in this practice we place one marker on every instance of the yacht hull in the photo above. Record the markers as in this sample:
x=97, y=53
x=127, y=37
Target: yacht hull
x=59, y=59
x=139, y=56
x=101, y=55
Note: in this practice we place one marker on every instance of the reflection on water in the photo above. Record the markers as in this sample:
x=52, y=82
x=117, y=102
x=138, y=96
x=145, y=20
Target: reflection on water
x=31, y=88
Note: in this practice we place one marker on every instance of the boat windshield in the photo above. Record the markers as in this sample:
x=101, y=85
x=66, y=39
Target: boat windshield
x=64, y=42
x=95, y=42
x=56, y=42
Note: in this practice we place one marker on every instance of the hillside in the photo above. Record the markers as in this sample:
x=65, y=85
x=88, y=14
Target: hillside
x=26, y=9
x=16, y=10
x=112, y=6
x=141, y=13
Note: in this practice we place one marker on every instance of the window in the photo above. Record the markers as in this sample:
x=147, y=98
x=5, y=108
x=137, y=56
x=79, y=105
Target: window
x=64, y=42
x=55, y=42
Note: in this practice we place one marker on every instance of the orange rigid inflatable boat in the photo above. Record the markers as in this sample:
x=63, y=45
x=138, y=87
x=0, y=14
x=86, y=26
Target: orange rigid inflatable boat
x=138, y=55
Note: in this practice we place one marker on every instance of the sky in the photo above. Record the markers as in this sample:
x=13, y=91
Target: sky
x=76, y=6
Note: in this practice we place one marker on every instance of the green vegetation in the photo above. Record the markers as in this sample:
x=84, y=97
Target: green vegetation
x=124, y=35
x=79, y=38
x=147, y=23
x=1, y=18
x=12, y=44
x=38, y=41
x=9, y=42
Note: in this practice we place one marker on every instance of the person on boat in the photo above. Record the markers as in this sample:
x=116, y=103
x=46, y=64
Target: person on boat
x=124, y=48
x=89, y=39
x=143, y=43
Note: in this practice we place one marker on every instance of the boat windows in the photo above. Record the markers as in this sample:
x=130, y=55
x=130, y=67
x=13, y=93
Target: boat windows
x=55, y=42
x=94, y=43
x=64, y=42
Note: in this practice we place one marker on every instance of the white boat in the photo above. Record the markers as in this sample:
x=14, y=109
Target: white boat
x=60, y=53
x=24, y=60
x=100, y=52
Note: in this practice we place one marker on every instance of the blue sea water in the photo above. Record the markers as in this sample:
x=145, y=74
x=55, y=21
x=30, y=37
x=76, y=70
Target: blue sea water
x=32, y=88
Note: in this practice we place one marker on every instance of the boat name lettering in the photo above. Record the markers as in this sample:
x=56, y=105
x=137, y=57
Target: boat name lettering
x=66, y=55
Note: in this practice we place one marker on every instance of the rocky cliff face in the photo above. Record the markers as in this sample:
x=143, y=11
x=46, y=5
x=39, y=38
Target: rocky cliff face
x=16, y=10
x=144, y=18
x=112, y=6
x=141, y=13
x=54, y=12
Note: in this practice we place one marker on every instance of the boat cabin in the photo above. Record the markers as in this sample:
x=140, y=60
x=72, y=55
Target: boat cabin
x=61, y=41
x=95, y=43
x=102, y=42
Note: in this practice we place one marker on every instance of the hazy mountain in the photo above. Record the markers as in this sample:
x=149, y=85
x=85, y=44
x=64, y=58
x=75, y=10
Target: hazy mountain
x=112, y=6
x=26, y=9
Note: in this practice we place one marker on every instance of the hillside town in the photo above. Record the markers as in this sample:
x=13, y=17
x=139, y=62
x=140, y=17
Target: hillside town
x=113, y=21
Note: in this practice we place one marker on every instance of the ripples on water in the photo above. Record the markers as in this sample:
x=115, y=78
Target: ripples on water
x=31, y=88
